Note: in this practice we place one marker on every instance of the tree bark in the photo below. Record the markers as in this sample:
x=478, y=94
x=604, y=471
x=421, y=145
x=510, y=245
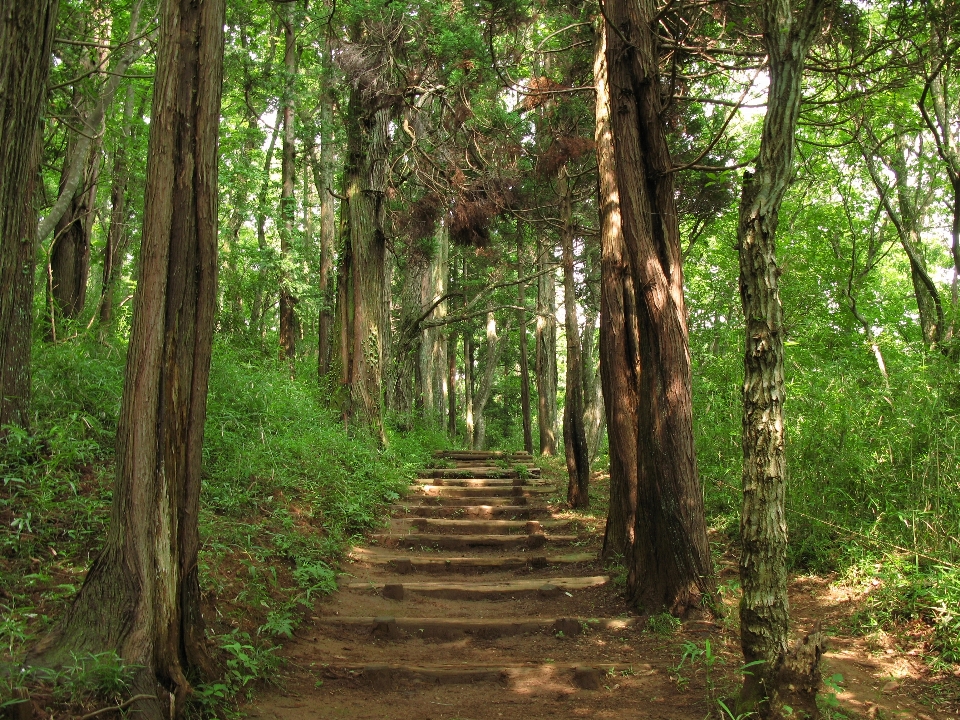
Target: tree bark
x=118, y=235
x=485, y=388
x=362, y=316
x=327, y=229
x=671, y=567
x=574, y=431
x=288, y=174
x=433, y=347
x=452, y=384
x=595, y=423
x=468, y=388
x=764, y=611
x=545, y=338
x=26, y=38
x=620, y=358
x=524, y=361
x=70, y=252
x=141, y=597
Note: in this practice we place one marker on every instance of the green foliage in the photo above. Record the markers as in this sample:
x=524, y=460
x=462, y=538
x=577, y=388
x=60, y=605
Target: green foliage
x=247, y=663
x=663, y=624
x=284, y=489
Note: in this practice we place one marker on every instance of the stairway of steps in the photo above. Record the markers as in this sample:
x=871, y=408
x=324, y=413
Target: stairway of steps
x=477, y=600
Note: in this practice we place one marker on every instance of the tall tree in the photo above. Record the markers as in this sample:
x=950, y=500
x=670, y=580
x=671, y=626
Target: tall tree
x=574, y=431
x=141, y=597
x=545, y=337
x=288, y=173
x=522, y=334
x=774, y=680
x=26, y=36
x=617, y=331
x=669, y=560
x=362, y=331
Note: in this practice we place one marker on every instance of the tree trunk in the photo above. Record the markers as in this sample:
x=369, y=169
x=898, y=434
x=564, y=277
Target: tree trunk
x=594, y=421
x=574, y=432
x=70, y=253
x=288, y=174
x=524, y=361
x=141, y=597
x=26, y=37
x=327, y=231
x=452, y=384
x=362, y=316
x=118, y=236
x=468, y=387
x=433, y=347
x=545, y=338
x=78, y=158
x=485, y=388
x=405, y=381
x=764, y=612
x=70, y=250
x=671, y=567
x=620, y=359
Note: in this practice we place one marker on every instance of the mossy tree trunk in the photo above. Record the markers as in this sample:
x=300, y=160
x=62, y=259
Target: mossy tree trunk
x=764, y=612
x=361, y=332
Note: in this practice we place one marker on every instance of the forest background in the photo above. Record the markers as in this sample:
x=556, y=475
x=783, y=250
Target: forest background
x=473, y=126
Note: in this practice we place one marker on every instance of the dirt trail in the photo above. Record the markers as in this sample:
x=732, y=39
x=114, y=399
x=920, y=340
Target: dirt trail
x=481, y=601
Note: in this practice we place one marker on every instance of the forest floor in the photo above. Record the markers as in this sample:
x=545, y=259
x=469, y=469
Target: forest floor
x=483, y=600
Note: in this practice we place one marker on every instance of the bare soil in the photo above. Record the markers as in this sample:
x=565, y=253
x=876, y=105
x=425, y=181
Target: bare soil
x=362, y=655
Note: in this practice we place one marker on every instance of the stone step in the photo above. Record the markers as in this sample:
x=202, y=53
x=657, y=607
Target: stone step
x=458, y=542
x=481, y=482
x=519, y=512
x=396, y=677
x=404, y=564
x=469, y=492
x=482, y=526
x=545, y=588
x=401, y=628
x=476, y=472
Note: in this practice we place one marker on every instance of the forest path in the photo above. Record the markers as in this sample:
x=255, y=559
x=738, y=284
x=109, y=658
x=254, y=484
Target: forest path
x=484, y=600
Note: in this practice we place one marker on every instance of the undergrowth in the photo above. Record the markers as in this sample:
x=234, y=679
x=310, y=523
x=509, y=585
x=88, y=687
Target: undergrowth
x=285, y=488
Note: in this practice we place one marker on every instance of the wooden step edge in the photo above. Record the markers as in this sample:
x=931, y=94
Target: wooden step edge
x=405, y=565
x=475, y=523
x=544, y=588
x=459, y=540
x=459, y=501
x=521, y=512
x=400, y=628
x=481, y=453
x=435, y=490
x=376, y=556
x=481, y=482
x=383, y=676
